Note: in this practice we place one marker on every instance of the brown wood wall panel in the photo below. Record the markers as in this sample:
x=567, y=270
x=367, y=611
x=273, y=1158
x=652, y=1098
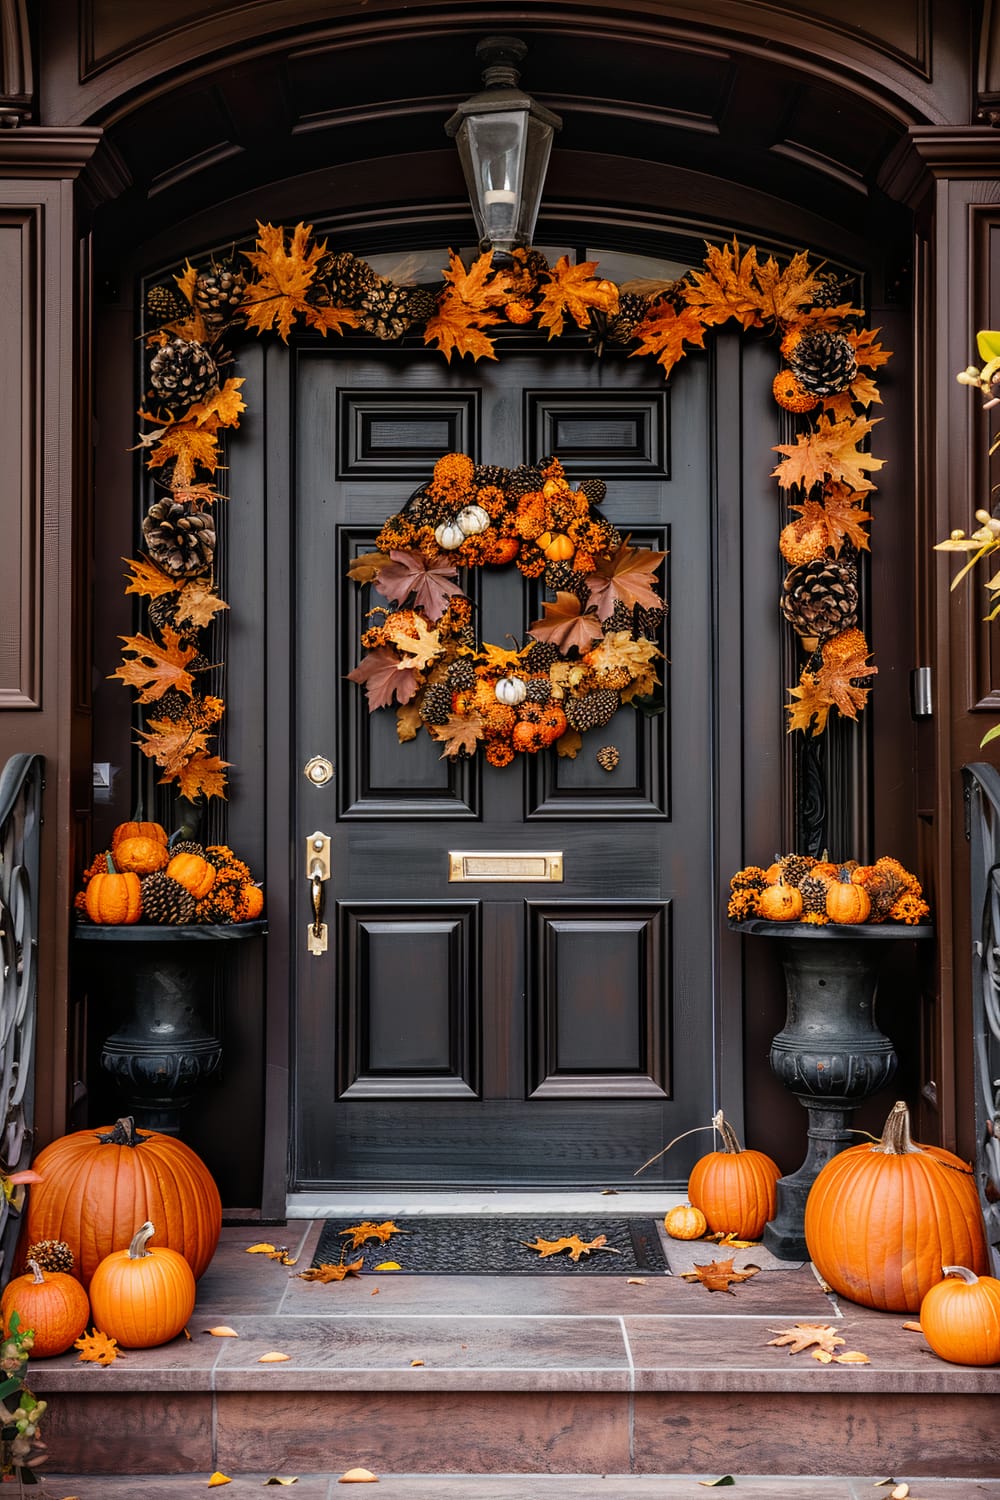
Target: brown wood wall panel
x=408, y=1000
x=599, y=999
x=20, y=498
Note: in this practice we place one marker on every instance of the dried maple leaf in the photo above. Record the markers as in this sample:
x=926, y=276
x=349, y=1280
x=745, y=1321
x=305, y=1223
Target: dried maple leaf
x=201, y=776
x=274, y=1357
x=284, y=276
x=627, y=577
x=330, y=319
x=366, y=567
x=566, y=625
x=431, y=583
x=570, y=1242
x=829, y=451
x=408, y=722
x=569, y=744
x=223, y=406
x=196, y=604
x=223, y=1332
x=170, y=745
x=835, y=678
x=784, y=290
x=421, y=649
x=841, y=514
x=218, y=1478
x=98, y=1348
x=386, y=679
x=470, y=302
x=867, y=350
x=332, y=1271
x=664, y=332
x=461, y=734
x=184, y=444
x=360, y=1233
x=719, y=1275
x=851, y=1357
x=573, y=291
x=810, y=704
x=148, y=580
x=726, y=288
x=155, y=667
x=807, y=1335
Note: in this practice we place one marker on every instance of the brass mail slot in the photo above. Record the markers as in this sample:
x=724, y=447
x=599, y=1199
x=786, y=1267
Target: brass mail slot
x=517, y=865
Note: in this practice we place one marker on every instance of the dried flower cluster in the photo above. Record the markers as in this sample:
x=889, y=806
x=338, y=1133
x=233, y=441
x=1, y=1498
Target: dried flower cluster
x=594, y=649
x=798, y=887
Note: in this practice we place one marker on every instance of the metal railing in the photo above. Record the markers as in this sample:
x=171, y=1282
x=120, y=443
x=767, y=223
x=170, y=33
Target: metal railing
x=21, y=782
x=982, y=803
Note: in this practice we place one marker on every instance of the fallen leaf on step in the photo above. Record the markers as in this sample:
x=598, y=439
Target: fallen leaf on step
x=218, y=1478
x=330, y=1272
x=635, y=1281
x=804, y=1335
x=374, y=1291
x=900, y=1492
x=388, y=1265
x=730, y=1240
x=852, y=1357
x=570, y=1242
x=276, y=1479
x=358, y=1476
x=912, y=1327
x=274, y=1358
x=260, y=1249
x=609, y=1192
x=823, y=1357
x=416, y=1361
x=279, y=1253
x=98, y=1348
x=719, y=1274
x=368, y=1231
x=222, y=1332
x=713, y=1483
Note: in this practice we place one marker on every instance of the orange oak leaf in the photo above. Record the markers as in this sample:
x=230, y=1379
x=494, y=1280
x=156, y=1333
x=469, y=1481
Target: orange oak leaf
x=201, y=776
x=284, y=275
x=829, y=451
x=98, y=1348
x=720, y=1275
x=810, y=705
x=573, y=291
x=664, y=332
x=807, y=1336
x=385, y=678
x=154, y=667
x=196, y=604
x=223, y=406
x=171, y=745
x=460, y=735
x=148, y=580
x=627, y=577
x=571, y=1242
x=360, y=1233
x=332, y=1272
x=566, y=625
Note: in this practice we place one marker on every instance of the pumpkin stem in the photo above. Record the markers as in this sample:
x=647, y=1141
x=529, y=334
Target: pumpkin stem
x=723, y=1126
x=962, y=1272
x=36, y=1269
x=730, y=1140
x=137, y=1249
x=122, y=1133
x=112, y=867
x=896, y=1138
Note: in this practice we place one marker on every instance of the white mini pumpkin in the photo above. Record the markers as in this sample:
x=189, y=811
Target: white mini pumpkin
x=511, y=690
x=472, y=520
x=449, y=535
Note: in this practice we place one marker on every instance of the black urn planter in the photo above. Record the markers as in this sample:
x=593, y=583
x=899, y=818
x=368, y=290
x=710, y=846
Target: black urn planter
x=830, y=1052
x=164, y=1046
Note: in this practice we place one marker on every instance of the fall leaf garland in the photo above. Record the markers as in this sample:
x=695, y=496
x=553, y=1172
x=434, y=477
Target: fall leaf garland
x=290, y=277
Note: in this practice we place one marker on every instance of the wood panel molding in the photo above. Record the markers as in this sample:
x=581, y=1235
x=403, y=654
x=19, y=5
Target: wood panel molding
x=17, y=72
x=20, y=376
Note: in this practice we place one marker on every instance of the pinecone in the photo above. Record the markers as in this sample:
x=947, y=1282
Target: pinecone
x=591, y=711
x=386, y=309
x=486, y=476
x=51, y=1255
x=165, y=900
x=219, y=292
x=647, y=622
x=425, y=510
x=348, y=278
x=539, y=690
x=563, y=576
x=813, y=892
x=540, y=656
x=182, y=372
x=631, y=310
x=823, y=362
x=179, y=537
x=420, y=304
x=620, y=618
x=832, y=290
x=820, y=598
x=187, y=846
x=795, y=867
x=164, y=304
x=173, y=705
x=608, y=757
x=435, y=707
x=523, y=480
x=221, y=857
x=461, y=674
x=594, y=489
x=161, y=611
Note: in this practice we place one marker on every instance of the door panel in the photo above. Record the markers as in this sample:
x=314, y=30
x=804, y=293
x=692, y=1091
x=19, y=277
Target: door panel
x=500, y=1031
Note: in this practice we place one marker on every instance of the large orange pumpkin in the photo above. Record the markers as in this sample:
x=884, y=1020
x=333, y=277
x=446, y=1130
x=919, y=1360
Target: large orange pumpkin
x=140, y=854
x=52, y=1304
x=144, y=1295
x=114, y=899
x=960, y=1317
x=735, y=1189
x=882, y=1219
x=98, y=1183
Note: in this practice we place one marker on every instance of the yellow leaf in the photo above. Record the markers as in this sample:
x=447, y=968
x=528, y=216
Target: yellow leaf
x=202, y=776
x=284, y=276
x=276, y=1479
x=415, y=1362
x=389, y=1265
x=273, y=1358
x=366, y=567
x=261, y=1249
x=224, y=404
x=831, y=451
x=823, y=1357
x=192, y=447
x=223, y=1332
x=852, y=1357
x=358, y=1476
x=218, y=1478
x=149, y=580
x=197, y=604
x=574, y=290
x=635, y=1281
x=186, y=281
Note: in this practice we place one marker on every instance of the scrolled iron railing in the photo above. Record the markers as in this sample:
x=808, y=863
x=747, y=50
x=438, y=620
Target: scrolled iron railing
x=21, y=783
x=982, y=802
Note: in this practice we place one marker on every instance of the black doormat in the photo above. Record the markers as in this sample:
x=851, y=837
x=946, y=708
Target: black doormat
x=492, y=1245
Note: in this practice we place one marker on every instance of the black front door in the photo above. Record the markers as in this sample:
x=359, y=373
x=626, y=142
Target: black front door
x=500, y=1031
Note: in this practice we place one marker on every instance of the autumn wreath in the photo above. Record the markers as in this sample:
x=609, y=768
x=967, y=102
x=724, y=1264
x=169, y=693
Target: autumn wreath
x=289, y=277
x=593, y=650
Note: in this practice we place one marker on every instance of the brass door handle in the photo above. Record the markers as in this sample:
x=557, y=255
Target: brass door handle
x=317, y=873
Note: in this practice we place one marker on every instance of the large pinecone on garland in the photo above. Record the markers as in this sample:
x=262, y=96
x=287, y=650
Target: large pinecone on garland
x=631, y=310
x=489, y=475
x=461, y=674
x=164, y=304
x=348, y=278
x=182, y=372
x=165, y=900
x=832, y=290
x=823, y=362
x=179, y=538
x=388, y=310
x=161, y=611
x=219, y=291
x=820, y=598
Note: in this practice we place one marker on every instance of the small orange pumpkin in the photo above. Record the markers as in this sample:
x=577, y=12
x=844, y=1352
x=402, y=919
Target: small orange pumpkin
x=144, y=1295
x=51, y=1303
x=734, y=1188
x=251, y=902
x=114, y=899
x=685, y=1222
x=141, y=854
x=193, y=873
x=960, y=1317
x=780, y=903
x=560, y=548
x=847, y=902
x=138, y=831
